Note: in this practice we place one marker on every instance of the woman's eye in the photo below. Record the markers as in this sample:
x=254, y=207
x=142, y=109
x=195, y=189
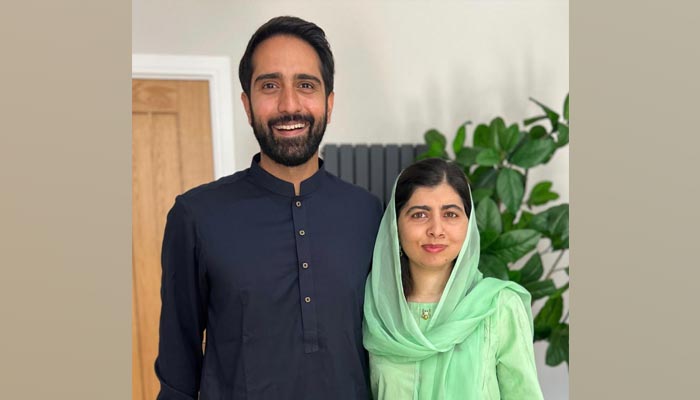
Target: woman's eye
x=451, y=214
x=419, y=214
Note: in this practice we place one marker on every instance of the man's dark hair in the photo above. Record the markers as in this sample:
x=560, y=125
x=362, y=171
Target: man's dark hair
x=292, y=26
x=428, y=173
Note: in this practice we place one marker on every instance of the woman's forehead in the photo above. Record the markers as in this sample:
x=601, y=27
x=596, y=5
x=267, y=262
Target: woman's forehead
x=440, y=194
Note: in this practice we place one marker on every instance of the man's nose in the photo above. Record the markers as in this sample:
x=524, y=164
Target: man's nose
x=289, y=101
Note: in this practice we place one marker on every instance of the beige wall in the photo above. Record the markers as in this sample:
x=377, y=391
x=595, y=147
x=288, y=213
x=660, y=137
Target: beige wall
x=402, y=67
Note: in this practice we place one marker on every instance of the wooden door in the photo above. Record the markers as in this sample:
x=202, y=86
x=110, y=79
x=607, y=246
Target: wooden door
x=171, y=153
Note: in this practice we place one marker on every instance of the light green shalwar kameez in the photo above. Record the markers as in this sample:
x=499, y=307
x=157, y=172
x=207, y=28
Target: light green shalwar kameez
x=475, y=345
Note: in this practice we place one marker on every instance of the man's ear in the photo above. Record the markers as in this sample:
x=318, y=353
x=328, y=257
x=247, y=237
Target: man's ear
x=246, y=105
x=329, y=106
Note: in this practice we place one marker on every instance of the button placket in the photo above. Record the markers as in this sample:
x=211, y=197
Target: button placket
x=306, y=283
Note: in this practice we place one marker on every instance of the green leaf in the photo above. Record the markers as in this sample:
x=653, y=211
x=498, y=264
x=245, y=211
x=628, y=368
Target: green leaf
x=558, y=349
x=497, y=126
x=458, y=141
x=466, y=156
x=485, y=177
x=540, y=194
x=514, y=276
x=524, y=220
x=434, y=136
x=533, y=152
x=554, y=224
x=488, y=157
x=548, y=317
x=509, y=138
x=537, y=132
x=487, y=216
x=561, y=290
x=551, y=114
x=551, y=312
x=423, y=155
x=510, y=189
x=436, y=149
x=562, y=135
x=512, y=245
x=532, y=120
x=566, y=108
x=484, y=137
x=532, y=270
x=540, y=289
x=491, y=266
x=487, y=238
x=507, y=219
x=480, y=194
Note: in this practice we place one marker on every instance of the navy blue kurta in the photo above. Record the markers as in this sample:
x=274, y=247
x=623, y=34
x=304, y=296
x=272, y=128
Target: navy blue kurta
x=278, y=282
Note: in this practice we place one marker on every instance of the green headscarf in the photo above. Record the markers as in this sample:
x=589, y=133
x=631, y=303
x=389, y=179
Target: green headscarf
x=391, y=332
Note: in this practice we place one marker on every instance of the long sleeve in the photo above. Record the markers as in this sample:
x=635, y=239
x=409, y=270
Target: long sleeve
x=515, y=360
x=183, y=312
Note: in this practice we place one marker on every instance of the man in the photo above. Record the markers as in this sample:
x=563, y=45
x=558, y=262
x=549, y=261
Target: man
x=272, y=260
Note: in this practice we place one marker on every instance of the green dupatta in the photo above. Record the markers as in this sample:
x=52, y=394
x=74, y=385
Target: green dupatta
x=392, y=333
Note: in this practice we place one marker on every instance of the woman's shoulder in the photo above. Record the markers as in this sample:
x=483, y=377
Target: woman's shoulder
x=505, y=293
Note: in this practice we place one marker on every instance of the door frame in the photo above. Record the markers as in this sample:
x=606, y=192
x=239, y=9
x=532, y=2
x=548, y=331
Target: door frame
x=217, y=71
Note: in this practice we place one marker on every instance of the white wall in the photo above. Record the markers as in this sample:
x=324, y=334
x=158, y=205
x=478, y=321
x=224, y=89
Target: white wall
x=402, y=67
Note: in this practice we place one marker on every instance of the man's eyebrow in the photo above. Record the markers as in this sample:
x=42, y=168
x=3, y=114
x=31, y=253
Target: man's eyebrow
x=277, y=75
x=271, y=75
x=307, y=77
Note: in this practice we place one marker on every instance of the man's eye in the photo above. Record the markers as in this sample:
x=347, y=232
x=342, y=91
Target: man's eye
x=268, y=85
x=306, y=85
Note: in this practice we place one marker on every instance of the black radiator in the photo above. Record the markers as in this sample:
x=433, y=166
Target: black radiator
x=373, y=167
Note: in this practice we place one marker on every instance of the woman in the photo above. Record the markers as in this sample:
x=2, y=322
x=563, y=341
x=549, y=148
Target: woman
x=435, y=328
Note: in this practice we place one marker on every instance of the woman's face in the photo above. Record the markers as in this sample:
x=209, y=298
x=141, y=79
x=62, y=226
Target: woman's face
x=432, y=227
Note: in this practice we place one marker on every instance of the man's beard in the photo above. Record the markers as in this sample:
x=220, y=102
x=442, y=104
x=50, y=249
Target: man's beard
x=292, y=151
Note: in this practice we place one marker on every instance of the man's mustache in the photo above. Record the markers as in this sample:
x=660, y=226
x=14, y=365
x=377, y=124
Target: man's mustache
x=291, y=118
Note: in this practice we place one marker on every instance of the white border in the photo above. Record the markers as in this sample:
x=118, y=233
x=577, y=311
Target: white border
x=215, y=70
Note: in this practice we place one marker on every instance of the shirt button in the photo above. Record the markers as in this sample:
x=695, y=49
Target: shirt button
x=307, y=299
x=302, y=233
x=298, y=203
x=305, y=265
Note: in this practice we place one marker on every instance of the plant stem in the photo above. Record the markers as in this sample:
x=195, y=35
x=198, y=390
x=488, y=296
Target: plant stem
x=551, y=271
x=525, y=180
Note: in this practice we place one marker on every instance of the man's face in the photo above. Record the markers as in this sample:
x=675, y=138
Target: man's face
x=287, y=108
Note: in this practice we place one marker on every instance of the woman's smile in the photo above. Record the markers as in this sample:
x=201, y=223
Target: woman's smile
x=434, y=248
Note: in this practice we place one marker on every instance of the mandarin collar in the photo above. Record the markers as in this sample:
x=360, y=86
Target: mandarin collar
x=268, y=181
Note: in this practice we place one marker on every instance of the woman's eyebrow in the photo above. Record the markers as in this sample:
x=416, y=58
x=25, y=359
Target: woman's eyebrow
x=448, y=206
x=424, y=208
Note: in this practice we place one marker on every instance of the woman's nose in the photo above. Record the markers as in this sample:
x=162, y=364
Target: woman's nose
x=435, y=229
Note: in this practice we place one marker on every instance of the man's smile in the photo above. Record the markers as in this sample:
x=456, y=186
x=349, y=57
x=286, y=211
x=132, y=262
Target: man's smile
x=289, y=129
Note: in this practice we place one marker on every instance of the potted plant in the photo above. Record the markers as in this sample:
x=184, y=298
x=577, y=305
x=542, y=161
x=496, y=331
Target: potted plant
x=514, y=237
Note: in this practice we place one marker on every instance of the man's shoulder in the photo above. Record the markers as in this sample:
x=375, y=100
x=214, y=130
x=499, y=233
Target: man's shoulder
x=351, y=190
x=213, y=191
